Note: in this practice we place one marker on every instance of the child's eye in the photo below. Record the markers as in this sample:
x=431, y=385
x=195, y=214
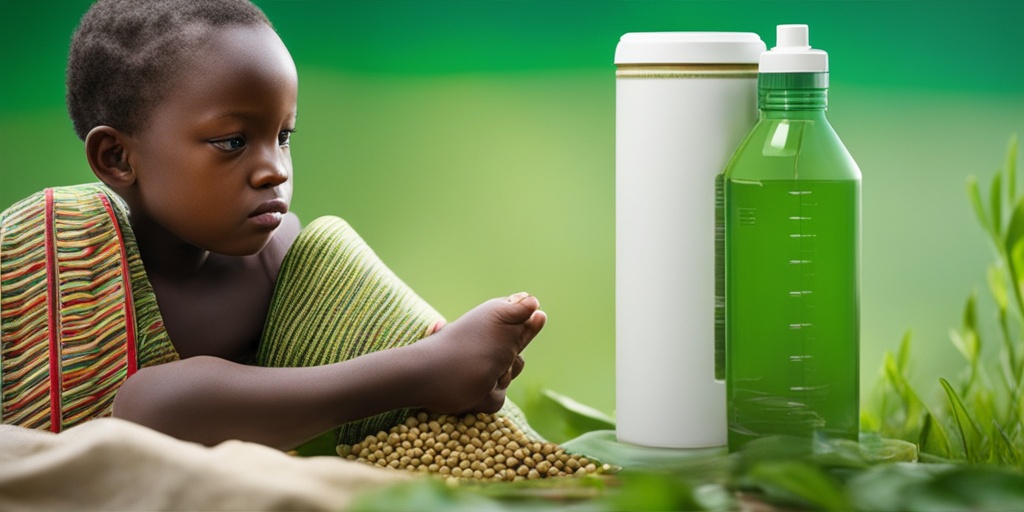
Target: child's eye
x=229, y=144
x=285, y=137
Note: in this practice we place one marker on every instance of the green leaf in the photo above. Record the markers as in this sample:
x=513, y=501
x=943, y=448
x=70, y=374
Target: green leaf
x=1015, y=230
x=934, y=439
x=796, y=483
x=422, y=494
x=966, y=339
x=874, y=449
x=560, y=418
x=972, y=488
x=889, y=487
x=974, y=194
x=903, y=357
x=1016, y=263
x=970, y=438
x=324, y=444
x=997, y=286
x=582, y=414
x=912, y=405
x=996, y=204
x=1009, y=454
x=699, y=463
x=1011, y=167
x=654, y=491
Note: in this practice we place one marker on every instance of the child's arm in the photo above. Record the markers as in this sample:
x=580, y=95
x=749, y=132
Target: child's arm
x=464, y=366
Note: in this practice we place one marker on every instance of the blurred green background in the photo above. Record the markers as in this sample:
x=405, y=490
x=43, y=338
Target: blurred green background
x=472, y=144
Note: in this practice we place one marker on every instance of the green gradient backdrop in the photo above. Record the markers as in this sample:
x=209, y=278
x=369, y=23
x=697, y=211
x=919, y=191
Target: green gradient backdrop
x=472, y=144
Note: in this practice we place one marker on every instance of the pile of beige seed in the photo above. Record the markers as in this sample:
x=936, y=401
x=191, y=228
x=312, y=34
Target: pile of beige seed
x=475, y=446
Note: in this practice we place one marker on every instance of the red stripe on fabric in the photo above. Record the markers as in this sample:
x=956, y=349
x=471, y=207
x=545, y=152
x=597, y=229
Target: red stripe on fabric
x=53, y=309
x=129, y=306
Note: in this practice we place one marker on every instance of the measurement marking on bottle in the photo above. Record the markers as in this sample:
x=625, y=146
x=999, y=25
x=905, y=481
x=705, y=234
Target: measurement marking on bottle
x=800, y=325
x=802, y=235
x=799, y=218
x=808, y=388
x=800, y=192
x=800, y=359
x=799, y=262
x=799, y=293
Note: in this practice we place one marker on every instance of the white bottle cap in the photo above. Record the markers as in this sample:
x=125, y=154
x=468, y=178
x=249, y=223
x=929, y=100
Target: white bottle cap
x=792, y=53
x=689, y=48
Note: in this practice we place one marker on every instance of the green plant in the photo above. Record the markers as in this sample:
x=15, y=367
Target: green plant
x=980, y=420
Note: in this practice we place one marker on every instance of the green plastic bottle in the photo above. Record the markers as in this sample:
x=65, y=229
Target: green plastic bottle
x=791, y=201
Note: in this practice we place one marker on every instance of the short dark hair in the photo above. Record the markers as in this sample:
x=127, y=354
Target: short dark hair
x=124, y=54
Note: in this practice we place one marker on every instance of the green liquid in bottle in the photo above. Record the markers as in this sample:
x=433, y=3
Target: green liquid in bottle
x=791, y=211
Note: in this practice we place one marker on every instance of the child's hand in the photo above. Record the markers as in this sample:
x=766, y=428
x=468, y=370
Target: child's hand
x=474, y=359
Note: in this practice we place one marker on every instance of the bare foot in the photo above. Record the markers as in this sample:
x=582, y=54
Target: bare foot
x=476, y=357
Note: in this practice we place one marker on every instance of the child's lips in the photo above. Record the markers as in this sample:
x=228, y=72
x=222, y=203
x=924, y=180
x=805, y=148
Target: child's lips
x=270, y=213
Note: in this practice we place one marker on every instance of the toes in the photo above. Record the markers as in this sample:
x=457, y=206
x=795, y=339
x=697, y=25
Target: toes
x=504, y=381
x=513, y=371
x=517, y=367
x=525, y=299
x=536, y=321
x=530, y=328
x=517, y=308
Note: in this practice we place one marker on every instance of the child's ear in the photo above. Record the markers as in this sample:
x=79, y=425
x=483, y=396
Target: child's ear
x=106, y=148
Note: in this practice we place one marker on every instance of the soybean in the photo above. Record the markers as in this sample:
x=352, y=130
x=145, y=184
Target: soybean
x=474, y=446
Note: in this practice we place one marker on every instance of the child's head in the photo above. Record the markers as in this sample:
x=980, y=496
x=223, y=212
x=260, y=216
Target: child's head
x=187, y=108
x=125, y=51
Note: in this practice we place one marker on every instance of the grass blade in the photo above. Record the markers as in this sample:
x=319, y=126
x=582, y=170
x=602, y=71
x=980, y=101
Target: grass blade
x=970, y=438
x=1015, y=262
x=932, y=434
x=1011, y=168
x=974, y=194
x=967, y=340
x=1009, y=454
x=903, y=357
x=995, y=203
x=997, y=286
x=1015, y=230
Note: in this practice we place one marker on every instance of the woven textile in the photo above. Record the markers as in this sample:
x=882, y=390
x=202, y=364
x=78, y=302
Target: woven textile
x=336, y=300
x=77, y=313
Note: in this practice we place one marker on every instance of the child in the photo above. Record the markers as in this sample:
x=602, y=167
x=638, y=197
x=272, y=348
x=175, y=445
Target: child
x=186, y=108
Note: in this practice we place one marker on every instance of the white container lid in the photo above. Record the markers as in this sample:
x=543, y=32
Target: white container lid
x=689, y=48
x=792, y=53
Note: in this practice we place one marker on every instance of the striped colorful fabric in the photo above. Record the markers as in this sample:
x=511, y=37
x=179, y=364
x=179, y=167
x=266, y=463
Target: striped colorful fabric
x=336, y=300
x=77, y=313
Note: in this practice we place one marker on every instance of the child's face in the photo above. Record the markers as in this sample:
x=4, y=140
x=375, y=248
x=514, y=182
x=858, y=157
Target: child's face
x=212, y=164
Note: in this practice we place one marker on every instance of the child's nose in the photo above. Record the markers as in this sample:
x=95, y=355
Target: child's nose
x=271, y=171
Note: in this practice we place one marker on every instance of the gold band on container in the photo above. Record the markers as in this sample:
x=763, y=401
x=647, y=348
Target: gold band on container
x=686, y=71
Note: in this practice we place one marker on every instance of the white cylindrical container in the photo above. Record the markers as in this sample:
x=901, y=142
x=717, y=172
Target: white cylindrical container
x=684, y=101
